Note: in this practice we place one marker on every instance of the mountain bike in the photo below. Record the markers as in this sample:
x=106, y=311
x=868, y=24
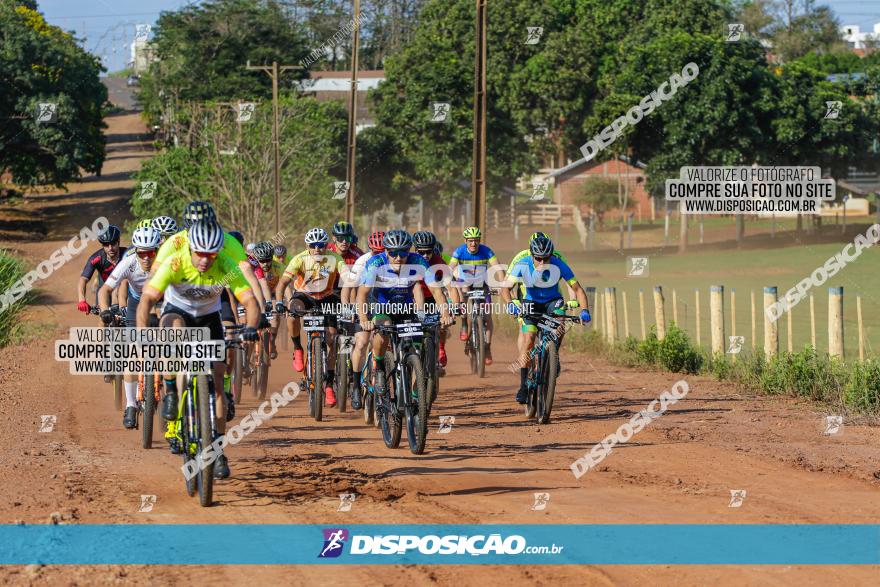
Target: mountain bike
x=544, y=365
x=475, y=346
x=314, y=323
x=148, y=396
x=430, y=362
x=115, y=379
x=259, y=365
x=239, y=369
x=344, y=346
x=405, y=392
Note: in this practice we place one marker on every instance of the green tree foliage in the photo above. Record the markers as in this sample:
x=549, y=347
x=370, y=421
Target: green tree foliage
x=43, y=64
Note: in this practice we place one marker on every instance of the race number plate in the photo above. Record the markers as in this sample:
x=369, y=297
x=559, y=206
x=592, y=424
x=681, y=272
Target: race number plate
x=409, y=330
x=548, y=323
x=312, y=323
x=431, y=319
x=346, y=344
x=476, y=294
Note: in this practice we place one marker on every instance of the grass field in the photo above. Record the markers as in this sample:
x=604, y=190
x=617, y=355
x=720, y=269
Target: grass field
x=762, y=261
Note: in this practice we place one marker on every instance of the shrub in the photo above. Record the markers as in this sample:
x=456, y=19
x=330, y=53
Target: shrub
x=11, y=270
x=676, y=353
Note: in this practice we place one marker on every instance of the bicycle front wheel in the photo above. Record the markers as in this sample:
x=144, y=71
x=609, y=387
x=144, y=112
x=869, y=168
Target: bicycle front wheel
x=343, y=372
x=206, y=437
x=417, y=405
x=388, y=416
x=149, y=410
x=263, y=370
x=547, y=389
x=316, y=376
x=479, y=343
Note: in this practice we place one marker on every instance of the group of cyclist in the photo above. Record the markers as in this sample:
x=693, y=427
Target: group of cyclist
x=204, y=276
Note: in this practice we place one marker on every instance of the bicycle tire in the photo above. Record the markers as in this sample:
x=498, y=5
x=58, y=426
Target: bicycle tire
x=389, y=422
x=263, y=369
x=206, y=437
x=118, y=393
x=479, y=346
x=530, y=405
x=236, y=382
x=256, y=352
x=469, y=343
x=149, y=410
x=185, y=426
x=343, y=374
x=429, y=361
x=416, y=415
x=548, y=387
x=317, y=375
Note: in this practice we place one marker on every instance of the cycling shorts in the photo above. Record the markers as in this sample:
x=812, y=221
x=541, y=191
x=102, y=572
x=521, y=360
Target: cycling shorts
x=211, y=321
x=131, y=313
x=329, y=305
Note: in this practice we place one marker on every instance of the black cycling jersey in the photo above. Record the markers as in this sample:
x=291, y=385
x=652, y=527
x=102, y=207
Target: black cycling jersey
x=100, y=263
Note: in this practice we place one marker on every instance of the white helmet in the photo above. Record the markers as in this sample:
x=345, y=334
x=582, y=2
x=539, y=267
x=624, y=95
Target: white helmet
x=165, y=225
x=146, y=238
x=317, y=236
x=206, y=236
x=250, y=247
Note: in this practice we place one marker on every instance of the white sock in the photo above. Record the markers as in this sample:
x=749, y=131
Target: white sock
x=131, y=389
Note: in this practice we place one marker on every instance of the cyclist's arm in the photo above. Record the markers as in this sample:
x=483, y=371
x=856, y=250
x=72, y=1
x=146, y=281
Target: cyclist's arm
x=251, y=306
x=122, y=293
x=252, y=281
x=282, y=285
x=580, y=294
x=149, y=298
x=267, y=291
x=104, y=297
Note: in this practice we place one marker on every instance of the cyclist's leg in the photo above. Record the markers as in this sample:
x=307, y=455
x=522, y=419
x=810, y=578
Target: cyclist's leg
x=130, y=380
x=489, y=327
x=294, y=326
x=172, y=318
x=379, y=346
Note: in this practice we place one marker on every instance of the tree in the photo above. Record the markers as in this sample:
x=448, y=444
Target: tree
x=797, y=33
x=202, y=51
x=44, y=65
x=601, y=195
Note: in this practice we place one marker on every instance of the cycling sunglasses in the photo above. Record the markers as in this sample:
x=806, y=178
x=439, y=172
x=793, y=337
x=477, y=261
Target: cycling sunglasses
x=541, y=259
x=317, y=245
x=206, y=255
x=344, y=239
x=146, y=254
x=425, y=252
x=398, y=253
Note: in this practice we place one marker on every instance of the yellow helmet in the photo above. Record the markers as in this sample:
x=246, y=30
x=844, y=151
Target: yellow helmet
x=472, y=232
x=148, y=223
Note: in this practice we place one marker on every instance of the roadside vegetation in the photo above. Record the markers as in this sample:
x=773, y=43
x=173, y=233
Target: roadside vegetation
x=11, y=270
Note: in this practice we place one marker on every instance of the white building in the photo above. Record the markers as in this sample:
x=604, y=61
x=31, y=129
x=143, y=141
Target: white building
x=856, y=39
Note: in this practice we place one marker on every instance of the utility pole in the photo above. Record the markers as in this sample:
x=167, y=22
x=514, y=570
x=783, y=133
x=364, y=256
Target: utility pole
x=478, y=177
x=352, y=115
x=273, y=73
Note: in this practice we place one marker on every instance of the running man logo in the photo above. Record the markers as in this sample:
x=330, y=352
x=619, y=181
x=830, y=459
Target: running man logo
x=737, y=497
x=637, y=266
x=346, y=500
x=832, y=108
x=142, y=31
x=533, y=34
x=47, y=112
x=832, y=425
x=735, y=31
x=439, y=111
x=539, y=191
x=47, y=423
x=246, y=111
x=147, y=503
x=736, y=344
x=334, y=542
x=148, y=190
x=340, y=190
x=541, y=501
x=446, y=423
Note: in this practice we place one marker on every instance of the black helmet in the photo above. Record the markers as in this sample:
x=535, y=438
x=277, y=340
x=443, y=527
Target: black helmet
x=424, y=240
x=541, y=247
x=343, y=228
x=397, y=240
x=438, y=248
x=197, y=210
x=237, y=236
x=110, y=234
x=263, y=251
x=280, y=251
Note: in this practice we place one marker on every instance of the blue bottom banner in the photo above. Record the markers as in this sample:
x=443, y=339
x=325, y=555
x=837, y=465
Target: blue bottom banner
x=627, y=544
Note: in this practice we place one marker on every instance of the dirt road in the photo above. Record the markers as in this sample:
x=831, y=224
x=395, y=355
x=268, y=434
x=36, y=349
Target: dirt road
x=680, y=469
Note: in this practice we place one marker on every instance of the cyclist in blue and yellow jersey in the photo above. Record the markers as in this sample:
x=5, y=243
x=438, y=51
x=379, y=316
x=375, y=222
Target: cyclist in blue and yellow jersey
x=540, y=273
x=475, y=259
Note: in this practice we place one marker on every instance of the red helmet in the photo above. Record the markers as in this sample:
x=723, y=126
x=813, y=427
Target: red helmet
x=375, y=241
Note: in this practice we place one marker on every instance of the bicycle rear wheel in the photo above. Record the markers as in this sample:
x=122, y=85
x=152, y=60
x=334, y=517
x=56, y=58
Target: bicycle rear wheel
x=479, y=345
x=533, y=375
x=547, y=389
x=343, y=372
x=206, y=437
x=429, y=361
x=417, y=408
x=263, y=370
x=316, y=375
x=149, y=410
x=236, y=379
x=187, y=424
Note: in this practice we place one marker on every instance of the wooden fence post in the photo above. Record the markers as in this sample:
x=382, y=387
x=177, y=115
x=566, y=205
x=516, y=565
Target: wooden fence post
x=611, y=292
x=716, y=317
x=626, y=316
x=642, y=312
x=771, y=330
x=697, y=306
x=835, y=321
x=788, y=329
x=659, y=312
x=812, y=322
x=754, y=332
x=675, y=308
x=861, y=328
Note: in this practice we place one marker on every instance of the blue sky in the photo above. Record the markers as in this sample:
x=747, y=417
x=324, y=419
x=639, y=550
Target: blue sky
x=109, y=25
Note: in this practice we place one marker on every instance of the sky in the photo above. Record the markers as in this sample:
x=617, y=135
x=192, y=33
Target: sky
x=109, y=25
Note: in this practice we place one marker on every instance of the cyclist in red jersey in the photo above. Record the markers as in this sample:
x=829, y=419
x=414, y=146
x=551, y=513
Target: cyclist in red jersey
x=425, y=244
x=343, y=245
